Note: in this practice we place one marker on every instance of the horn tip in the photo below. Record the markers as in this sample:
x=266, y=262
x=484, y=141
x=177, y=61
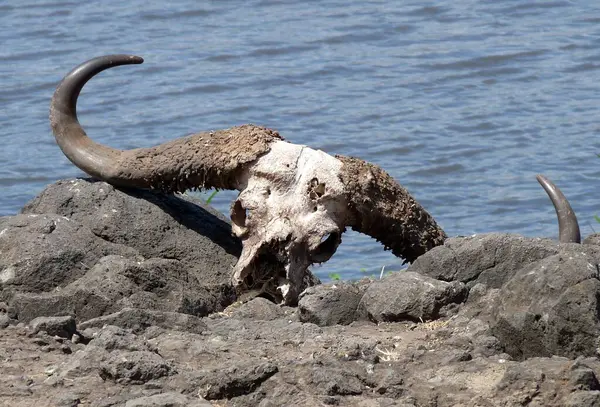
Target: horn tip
x=136, y=60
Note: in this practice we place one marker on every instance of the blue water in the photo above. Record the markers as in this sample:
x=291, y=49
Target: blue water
x=463, y=102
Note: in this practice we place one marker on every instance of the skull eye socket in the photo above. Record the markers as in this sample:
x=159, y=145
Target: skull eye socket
x=326, y=248
x=315, y=189
x=238, y=214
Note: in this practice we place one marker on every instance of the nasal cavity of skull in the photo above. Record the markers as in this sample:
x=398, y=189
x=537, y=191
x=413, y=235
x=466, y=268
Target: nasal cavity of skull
x=315, y=190
x=238, y=214
x=325, y=249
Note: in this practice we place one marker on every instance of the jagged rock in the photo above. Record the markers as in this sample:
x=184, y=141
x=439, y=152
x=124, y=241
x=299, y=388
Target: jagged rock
x=593, y=239
x=551, y=307
x=259, y=309
x=490, y=259
x=68, y=400
x=135, y=367
x=331, y=304
x=583, y=399
x=87, y=249
x=116, y=282
x=4, y=320
x=334, y=382
x=138, y=320
x=408, y=296
x=115, y=338
x=155, y=224
x=60, y=326
x=550, y=381
x=169, y=399
x=43, y=252
x=228, y=382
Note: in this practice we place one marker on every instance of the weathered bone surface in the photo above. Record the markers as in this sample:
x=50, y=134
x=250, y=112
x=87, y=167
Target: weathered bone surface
x=292, y=206
x=294, y=202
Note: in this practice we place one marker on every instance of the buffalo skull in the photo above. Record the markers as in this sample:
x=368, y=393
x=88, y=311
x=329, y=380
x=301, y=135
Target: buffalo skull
x=294, y=202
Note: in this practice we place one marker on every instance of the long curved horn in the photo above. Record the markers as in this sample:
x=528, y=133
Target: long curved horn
x=384, y=210
x=568, y=227
x=203, y=160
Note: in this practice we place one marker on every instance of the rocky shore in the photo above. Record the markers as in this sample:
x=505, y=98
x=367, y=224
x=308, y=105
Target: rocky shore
x=122, y=298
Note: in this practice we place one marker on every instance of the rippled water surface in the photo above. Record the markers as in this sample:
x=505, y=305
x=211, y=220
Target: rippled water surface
x=463, y=102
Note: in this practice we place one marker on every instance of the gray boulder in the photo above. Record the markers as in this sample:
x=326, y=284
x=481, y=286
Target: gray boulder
x=259, y=309
x=408, y=296
x=331, y=304
x=115, y=283
x=551, y=307
x=138, y=319
x=42, y=252
x=134, y=367
x=60, y=326
x=490, y=259
x=87, y=249
x=168, y=399
x=154, y=224
x=593, y=239
x=552, y=381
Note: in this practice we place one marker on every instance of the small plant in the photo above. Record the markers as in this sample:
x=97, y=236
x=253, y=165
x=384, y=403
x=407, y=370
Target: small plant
x=335, y=276
x=211, y=196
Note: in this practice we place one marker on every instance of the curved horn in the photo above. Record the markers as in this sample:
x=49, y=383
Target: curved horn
x=383, y=209
x=568, y=227
x=203, y=160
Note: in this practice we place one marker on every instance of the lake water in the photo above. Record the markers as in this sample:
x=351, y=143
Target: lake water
x=463, y=102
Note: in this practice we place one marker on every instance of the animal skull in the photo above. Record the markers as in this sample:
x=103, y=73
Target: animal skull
x=294, y=202
x=292, y=205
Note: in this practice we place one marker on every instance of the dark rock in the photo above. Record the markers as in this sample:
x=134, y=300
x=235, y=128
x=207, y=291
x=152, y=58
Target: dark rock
x=157, y=225
x=335, y=382
x=87, y=249
x=4, y=320
x=408, y=296
x=584, y=378
x=485, y=345
x=259, y=309
x=242, y=378
x=169, y=399
x=331, y=304
x=583, y=399
x=42, y=252
x=135, y=367
x=103, y=350
x=115, y=283
x=61, y=326
x=115, y=338
x=491, y=259
x=68, y=400
x=138, y=320
x=551, y=307
x=550, y=381
x=390, y=383
x=593, y=239
x=112, y=401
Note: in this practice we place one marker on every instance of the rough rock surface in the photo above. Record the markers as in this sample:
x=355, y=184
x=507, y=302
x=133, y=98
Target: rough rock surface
x=491, y=259
x=86, y=249
x=331, y=304
x=551, y=307
x=410, y=296
x=491, y=320
x=153, y=224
